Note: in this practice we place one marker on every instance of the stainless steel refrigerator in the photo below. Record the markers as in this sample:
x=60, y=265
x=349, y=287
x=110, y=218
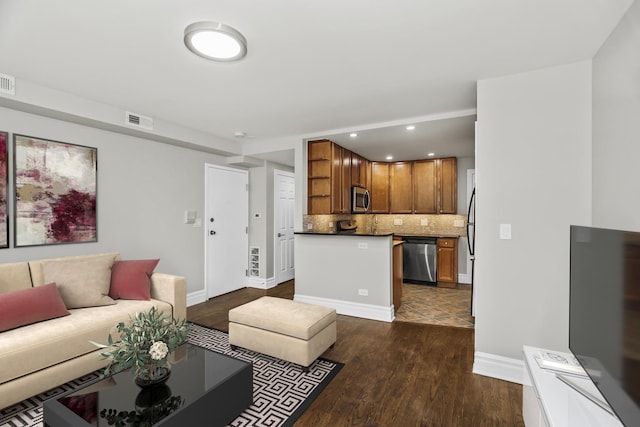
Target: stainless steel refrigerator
x=471, y=239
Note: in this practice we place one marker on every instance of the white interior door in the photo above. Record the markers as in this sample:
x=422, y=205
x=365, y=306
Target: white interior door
x=226, y=221
x=284, y=205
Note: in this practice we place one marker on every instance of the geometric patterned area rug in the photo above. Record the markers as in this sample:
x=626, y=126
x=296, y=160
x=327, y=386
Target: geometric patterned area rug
x=282, y=391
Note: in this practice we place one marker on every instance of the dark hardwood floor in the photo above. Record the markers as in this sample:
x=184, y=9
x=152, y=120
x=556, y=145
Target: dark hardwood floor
x=395, y=374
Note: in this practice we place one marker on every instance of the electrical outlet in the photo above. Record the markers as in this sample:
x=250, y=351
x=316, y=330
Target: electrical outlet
x=424, y=222
x=363, y=245
x=330, y=224
x=309, y=226
x=458, y=222
x=363, y=292
x=397, y=221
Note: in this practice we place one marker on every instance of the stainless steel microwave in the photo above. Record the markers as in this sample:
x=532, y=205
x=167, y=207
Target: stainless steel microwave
x=359, y=200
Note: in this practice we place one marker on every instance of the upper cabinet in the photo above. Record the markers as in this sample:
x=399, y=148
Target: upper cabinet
x=359, y=171
x=379, y=187
x=319, y=177
x=400, y=187
x=425, y=187
x=328, y=178
x=420, y=186
x=435, y=186
x=447, y=177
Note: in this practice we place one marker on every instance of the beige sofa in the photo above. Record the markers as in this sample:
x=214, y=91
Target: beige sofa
x=40, y=356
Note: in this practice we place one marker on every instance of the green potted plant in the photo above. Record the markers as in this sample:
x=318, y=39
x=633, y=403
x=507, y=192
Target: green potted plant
x=144, y=346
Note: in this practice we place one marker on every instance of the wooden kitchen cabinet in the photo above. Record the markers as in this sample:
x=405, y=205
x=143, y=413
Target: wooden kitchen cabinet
x=448, y=185
x=447, y=269
x=358, y=179
x=435, y=186
x=336, y=182
x=379, y=187
x=425, y=187
x=328, y=178
x=345, y=192
x=420, y=187
x=401, y=187
x=319, y=177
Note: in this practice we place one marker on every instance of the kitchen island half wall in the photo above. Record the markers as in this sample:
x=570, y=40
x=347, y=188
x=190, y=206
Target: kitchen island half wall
x=349, y=272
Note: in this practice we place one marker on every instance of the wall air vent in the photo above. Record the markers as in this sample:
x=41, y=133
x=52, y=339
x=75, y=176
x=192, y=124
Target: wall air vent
x=7, y=84
x=137, y=120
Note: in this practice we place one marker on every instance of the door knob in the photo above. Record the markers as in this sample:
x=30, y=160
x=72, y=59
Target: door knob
x=212, y=232
x=280, y=234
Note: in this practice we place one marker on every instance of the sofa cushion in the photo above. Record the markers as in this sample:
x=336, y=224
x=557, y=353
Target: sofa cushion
x=40, y=345
x=35, y=267
x=131, y=279
x=26, y=306
x=82, y=283
x=14, y=276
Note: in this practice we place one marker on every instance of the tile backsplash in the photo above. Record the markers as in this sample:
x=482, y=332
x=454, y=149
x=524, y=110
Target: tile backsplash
x=392, y=223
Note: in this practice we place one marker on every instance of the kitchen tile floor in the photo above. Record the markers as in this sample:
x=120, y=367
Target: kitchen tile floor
x=436, y=306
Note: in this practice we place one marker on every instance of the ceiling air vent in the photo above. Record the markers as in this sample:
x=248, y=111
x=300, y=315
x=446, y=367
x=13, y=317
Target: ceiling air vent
x=7, y=84
x=138, y=120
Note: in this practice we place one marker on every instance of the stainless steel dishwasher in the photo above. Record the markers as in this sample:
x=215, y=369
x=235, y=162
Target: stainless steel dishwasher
x=419, y=260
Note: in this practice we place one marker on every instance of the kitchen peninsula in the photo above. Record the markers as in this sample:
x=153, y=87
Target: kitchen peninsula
x=351, y=272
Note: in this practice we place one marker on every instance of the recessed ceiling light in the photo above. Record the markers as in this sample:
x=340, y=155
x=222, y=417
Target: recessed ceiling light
x=215, y=41
x=353, y=134
x=431, y=154
x=410, y=127
x=389, y=157
x=239, y=134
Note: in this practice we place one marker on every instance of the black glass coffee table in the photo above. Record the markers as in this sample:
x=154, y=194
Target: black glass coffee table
x=205, y=388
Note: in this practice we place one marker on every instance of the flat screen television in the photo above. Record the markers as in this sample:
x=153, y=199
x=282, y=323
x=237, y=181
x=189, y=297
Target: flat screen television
x=604, y=314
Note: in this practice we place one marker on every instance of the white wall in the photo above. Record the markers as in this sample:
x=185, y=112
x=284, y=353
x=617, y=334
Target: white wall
x=144, y=187
x=331, y=269
x=533, y=171
x=258, y=204
x=616, y=127
x=261, y=200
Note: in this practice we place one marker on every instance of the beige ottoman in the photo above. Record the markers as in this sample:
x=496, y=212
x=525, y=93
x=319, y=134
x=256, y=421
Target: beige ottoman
x=282, y=328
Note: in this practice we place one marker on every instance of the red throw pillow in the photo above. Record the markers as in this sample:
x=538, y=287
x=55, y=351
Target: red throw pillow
x=26, y=306
x=132, y=279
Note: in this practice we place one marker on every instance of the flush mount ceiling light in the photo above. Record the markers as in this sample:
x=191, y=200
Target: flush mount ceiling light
x=353, y=134
x=410, y=127
x=215, y=41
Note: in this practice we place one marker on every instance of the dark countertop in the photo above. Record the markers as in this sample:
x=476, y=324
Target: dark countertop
x=451, y=236
x=357, y=233
x=335, y=233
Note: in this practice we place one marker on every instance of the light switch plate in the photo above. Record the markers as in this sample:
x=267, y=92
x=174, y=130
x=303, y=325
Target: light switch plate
x=505, y=231
x=397, y=221
x=190, y=217
x=309, y=226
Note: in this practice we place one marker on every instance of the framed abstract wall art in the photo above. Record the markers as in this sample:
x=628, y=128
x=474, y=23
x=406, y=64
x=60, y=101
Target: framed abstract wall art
x=4, y=183
x=55, y=192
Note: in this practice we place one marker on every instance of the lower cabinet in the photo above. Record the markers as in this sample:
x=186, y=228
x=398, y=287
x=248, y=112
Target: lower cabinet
x=447, y=262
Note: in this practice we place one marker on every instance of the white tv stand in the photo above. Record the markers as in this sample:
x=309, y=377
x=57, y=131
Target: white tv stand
x=549, y=402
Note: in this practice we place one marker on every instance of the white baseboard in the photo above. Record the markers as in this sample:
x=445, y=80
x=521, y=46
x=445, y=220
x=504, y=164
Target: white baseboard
x=502, y=368
x=197, y=297
x=366, y=311
x=261, y=282
x=464, y=278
